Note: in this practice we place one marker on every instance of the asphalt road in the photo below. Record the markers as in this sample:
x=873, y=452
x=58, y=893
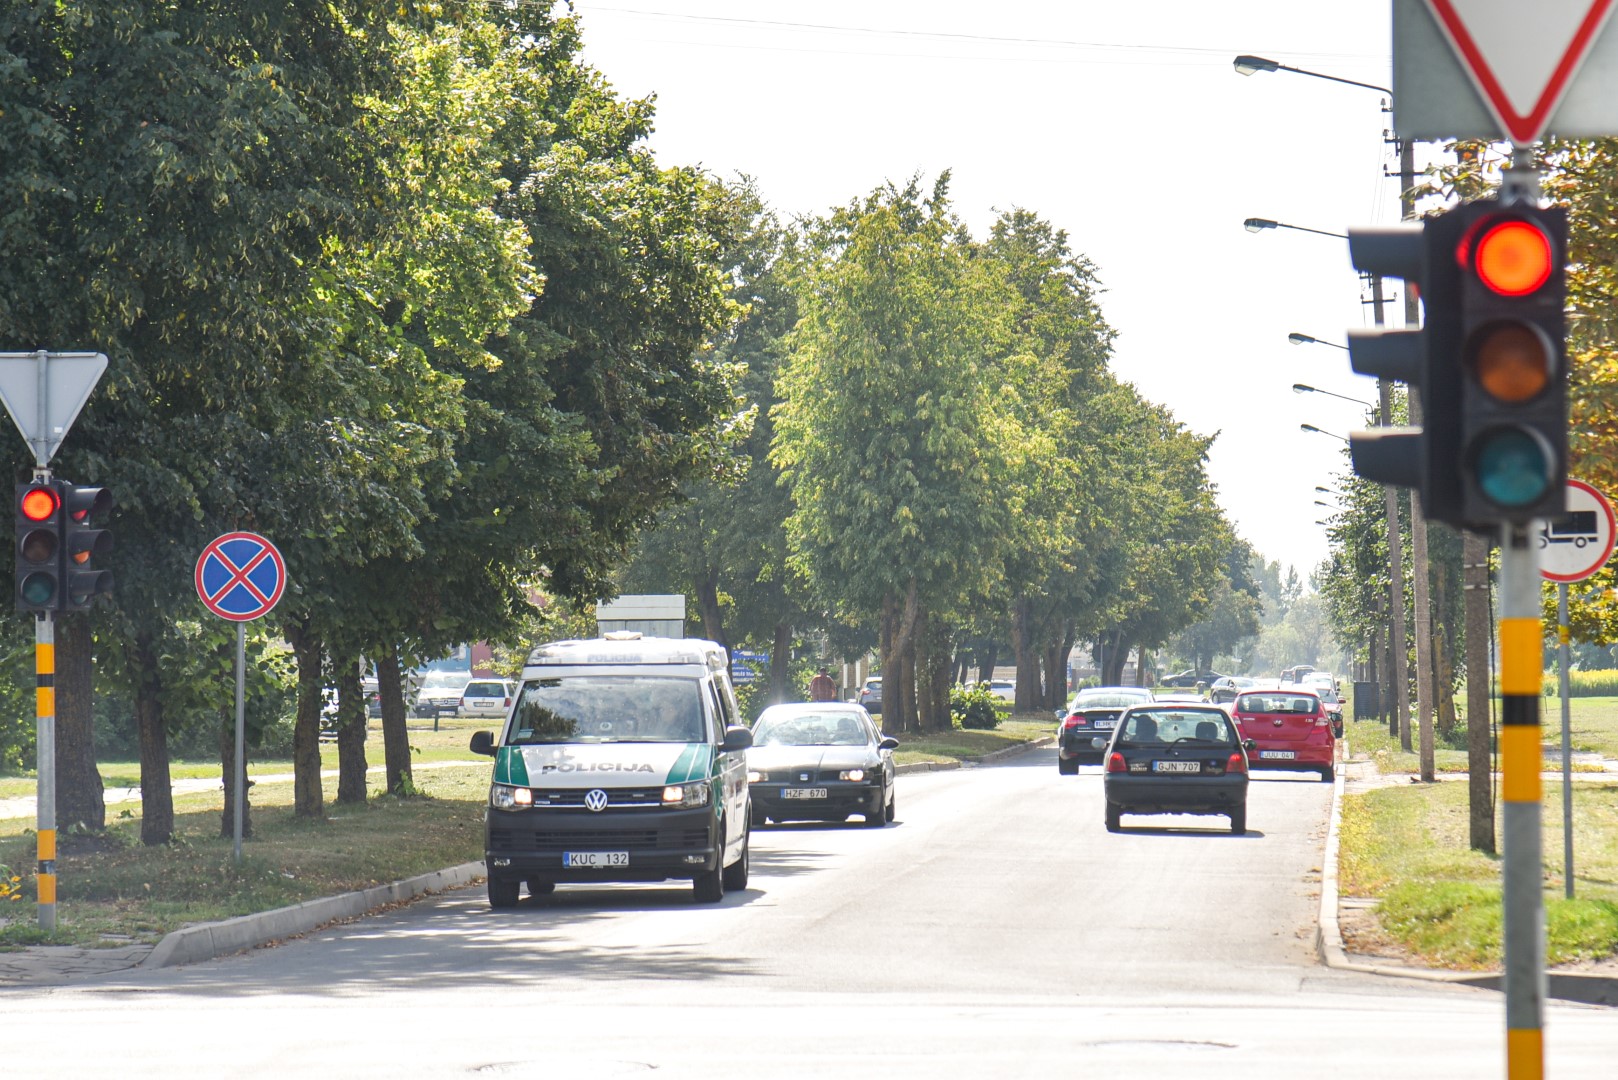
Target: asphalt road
x=997, y=930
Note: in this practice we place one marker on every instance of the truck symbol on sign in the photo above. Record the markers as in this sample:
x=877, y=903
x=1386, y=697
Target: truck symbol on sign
x=1577, y=528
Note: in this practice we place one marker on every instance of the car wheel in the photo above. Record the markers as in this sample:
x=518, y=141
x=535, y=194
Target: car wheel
x=760, y=818
x=1238, y=820
x=1067, y=766
x=1328, y=774
x=893, y=807
x=503, y=892
x=877, y=818
x=541, y=888
x=1115, y=817
x=709, y=886
x=734, y=876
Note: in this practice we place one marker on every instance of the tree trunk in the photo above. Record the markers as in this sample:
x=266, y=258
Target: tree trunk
x=987, y=656
x=308, y=800
x=156, y=792
x=80, y=799
x=781, y=664
x=1027, y=694
x=713, y=617
x=1475, y=600
x=350, y=730
x=899, y=623
x=395, y=736
x=1443, y=666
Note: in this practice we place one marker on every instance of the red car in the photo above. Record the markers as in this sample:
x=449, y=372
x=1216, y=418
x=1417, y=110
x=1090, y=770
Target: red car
x=1290, y=729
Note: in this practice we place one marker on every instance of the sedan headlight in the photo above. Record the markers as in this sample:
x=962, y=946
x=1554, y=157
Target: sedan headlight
x=685, y=796
x=757, y=776
x=506, y=797
x=855, y=775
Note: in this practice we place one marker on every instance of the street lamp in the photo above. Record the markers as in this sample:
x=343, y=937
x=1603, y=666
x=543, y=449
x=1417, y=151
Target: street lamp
x=1304, y=339
x=1305, y=388
x=1322, y=431
x=1258, y=224
x=1252, y=65
x=1327, y=490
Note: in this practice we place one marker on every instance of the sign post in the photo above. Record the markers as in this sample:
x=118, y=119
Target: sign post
x=1572, y=548
x=240, y=576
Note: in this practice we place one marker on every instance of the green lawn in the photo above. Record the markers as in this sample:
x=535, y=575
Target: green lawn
x=1407, y=847
x=1592, y=725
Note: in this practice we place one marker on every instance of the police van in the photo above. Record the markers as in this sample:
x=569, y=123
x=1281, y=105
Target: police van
x=622, y=759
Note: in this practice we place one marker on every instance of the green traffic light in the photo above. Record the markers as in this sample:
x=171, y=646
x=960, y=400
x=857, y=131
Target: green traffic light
x=38, y=589
x=1513, y=467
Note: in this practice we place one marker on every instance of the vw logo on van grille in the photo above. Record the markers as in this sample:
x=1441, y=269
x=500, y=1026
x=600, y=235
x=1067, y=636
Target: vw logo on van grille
x=595, y=800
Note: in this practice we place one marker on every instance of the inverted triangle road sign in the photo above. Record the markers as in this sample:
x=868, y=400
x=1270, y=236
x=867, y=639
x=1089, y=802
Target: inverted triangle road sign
x=44, y=391
x=1522, y=58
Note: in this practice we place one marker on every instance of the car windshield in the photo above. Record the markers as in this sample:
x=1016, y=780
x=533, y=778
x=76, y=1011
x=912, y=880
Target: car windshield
x=830, y=728
x=1153, y=727
x=608, y=708
x=1277, y=703
x=444, y=680
x=1104, y=699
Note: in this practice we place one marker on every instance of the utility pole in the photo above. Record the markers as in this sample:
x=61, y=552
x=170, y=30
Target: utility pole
x=1418, y=522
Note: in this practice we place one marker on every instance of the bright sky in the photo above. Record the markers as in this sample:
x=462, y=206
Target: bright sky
x=1123, y=123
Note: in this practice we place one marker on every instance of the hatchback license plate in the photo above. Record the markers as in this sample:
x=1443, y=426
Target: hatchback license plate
x=1176, y=766
x=803, y=793
x=1280, y=755
x=595, y=860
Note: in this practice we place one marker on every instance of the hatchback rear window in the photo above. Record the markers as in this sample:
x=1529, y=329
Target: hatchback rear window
x=485, y=689
x=1277, y=703
x=1164, y=726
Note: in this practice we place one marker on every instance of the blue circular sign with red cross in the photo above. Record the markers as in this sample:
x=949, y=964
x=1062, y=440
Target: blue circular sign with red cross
x=240, y=576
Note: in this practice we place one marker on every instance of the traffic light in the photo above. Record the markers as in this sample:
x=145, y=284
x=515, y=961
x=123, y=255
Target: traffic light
x=37, y=509
x=1489, y=362
x=1513, y=359
x=83, y=544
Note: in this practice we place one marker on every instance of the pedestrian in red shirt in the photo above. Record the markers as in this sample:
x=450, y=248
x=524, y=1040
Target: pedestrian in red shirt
x=821, y=687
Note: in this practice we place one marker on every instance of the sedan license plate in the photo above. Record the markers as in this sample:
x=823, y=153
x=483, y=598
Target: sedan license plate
x=1176, y=766
x=1105, y=725
x=1279, y=755
x=803, y=793
x=595, y=860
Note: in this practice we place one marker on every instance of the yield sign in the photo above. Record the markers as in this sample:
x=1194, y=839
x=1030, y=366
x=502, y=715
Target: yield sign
x=240, y=576
x=1521, y=57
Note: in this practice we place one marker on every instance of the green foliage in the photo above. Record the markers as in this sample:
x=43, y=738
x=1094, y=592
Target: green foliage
x=1585, y=684
x=976, y=707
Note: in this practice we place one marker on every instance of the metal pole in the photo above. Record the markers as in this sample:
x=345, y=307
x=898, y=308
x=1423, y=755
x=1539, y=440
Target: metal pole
x=1521, y=677
x=45, y=712
x=1423, y=612
x=239, y=768
x=1396, y=578
x=1564, y=659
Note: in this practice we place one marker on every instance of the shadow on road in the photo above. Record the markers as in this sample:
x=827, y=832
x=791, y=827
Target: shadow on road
x=1189, y=830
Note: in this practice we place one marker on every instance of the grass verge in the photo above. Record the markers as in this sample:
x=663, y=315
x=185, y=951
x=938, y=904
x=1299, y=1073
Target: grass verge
x=1441, y=902
x=1592, y=728
x=960, y=744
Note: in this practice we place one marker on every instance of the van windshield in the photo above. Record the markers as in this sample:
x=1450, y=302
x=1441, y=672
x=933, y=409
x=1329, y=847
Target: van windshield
x=608, y=708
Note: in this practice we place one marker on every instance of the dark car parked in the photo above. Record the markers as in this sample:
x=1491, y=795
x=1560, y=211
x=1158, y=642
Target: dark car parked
x=1223, y=691
x=1093, y=711
x=1189, y=678
x=1176, y=759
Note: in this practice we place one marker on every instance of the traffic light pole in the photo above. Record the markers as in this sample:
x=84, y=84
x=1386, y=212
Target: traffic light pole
x=45, y=801
x=1521, y=675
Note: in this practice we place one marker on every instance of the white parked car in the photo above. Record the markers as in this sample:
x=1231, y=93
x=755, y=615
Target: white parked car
x=486, y=698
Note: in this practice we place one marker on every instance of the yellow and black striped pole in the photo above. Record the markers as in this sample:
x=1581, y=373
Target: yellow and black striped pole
x=1521, y=673
x=45, y=712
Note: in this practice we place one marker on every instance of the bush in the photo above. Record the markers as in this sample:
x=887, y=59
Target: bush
x=976, y=707
x=1584, y=684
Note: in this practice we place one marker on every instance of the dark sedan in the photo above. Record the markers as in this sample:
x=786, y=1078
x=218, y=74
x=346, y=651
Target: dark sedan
x=1223, y=691
x=820, y=761
x=1094, y=711
x=1176, y=759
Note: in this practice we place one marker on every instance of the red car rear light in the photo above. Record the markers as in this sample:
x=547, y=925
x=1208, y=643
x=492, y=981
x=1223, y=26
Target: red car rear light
x=1074, y=721
x=1116, y=763
x=1236, y=764
x=1322, y=720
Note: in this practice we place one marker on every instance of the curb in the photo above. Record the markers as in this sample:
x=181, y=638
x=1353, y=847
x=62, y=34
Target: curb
x=1566, y=986
x=208, y=940
x=993, y=755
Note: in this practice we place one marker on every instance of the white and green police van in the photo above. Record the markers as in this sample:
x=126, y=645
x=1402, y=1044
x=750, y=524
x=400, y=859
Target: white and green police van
x=623, y=759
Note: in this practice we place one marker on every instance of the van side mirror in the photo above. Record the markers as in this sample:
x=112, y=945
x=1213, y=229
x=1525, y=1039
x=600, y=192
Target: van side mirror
x=736, y=738
x=482, y=743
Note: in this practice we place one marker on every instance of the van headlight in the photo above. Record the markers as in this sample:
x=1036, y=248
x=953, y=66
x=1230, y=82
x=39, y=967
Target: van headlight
x=506, y=797
x=685, y=796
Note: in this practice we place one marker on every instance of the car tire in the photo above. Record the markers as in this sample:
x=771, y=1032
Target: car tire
x=503, y=892
x=1067, y=766
x=1238, y=820
x=892, y=813
x=709, y=886
x=541, y=888
x=877, y=819
x=1328, y=774
x=759, y=818
x=1115, y=817
x=734, y=876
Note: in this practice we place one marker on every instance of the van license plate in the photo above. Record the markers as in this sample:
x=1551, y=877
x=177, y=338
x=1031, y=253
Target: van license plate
x=1280, y=755
x=595, y=860
x=1176, y=766
x=803, y=793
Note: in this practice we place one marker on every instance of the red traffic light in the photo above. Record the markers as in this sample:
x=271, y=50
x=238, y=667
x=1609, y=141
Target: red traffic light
x=1512, y=257
x=39, y=503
